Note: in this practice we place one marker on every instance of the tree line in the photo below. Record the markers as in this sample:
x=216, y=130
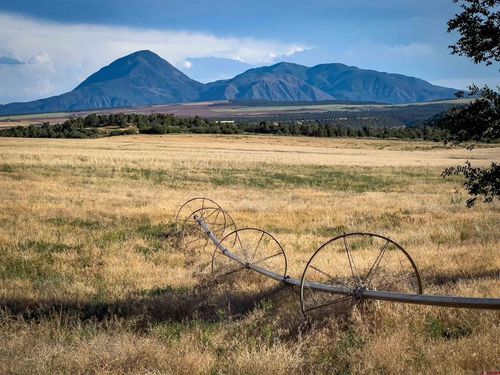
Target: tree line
x=101, y=125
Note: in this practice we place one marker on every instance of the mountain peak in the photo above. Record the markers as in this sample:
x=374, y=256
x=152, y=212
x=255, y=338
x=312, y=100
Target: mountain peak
x=143, y=52
x=143, y=78
x=124, y=66
x=286, y=64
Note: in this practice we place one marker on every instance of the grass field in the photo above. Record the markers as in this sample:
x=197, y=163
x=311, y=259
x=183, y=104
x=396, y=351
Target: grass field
x=94, y=277
x=36, y=119
x=333, y=107
x=35, y=116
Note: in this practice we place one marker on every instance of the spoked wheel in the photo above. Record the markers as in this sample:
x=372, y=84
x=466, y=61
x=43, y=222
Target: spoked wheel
x=357, y=261
x=218, y=220
x=252, y=246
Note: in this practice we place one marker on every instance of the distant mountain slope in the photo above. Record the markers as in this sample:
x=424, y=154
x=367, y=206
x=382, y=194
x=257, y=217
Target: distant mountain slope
x=144, y=78
x=139, y=79
x=350, y=83
x=292, y=82
x=279, y=82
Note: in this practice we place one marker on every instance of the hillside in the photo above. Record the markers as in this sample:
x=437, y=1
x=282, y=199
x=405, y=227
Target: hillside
x=292, y=82
x=144, y=79
x=139, y=79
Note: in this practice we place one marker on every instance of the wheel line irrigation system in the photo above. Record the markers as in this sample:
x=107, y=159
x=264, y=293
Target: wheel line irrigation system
x=203, y=221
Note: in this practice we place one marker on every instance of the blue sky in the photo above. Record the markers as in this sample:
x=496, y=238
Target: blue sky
x=58, y=43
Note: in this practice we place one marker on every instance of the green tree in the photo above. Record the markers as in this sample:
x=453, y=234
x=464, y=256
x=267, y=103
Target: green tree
x=479, y=27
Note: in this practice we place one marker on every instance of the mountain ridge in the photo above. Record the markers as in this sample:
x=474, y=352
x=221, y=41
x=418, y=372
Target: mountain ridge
x=143, y=78
x=334, y=81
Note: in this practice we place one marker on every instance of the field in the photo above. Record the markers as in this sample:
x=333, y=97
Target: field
x=26, y=120
x=256, y=111
x=94, y=277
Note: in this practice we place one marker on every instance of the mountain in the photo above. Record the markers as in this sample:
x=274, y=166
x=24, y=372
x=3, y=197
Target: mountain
x=279, y=82
x=139, y=79
x=144, y=78
x=292, y=82
x=350, y=83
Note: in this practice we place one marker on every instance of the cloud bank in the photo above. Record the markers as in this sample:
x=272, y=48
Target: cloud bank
x=58, y=56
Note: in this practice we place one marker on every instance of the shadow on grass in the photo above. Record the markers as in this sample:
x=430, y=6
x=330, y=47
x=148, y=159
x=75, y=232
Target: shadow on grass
x=210, y=304
x=455, y=278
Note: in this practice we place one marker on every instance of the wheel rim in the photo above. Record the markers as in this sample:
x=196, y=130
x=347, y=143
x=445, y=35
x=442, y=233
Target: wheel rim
x=252, y=246
x=358, y=261
x=219, y=221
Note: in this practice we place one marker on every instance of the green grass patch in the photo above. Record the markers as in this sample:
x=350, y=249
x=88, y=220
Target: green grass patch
x=148, y=230
x=7, y=168
x=37, y=269
x=46, y=247
x=76, y=223
x=437, y=329
x=267, y=176
x=316, y=177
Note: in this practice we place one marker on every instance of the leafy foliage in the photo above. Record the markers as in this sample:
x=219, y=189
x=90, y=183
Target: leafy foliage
x=479, y=27
x=74, y=128
x=479, y=121
x=478, y=181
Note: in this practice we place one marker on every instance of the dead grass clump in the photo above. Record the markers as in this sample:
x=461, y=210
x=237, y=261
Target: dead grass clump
x=275, y=360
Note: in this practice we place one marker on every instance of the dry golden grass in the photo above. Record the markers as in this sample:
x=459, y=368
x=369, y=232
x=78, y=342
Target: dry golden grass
x=9, y=124
x=94, y=277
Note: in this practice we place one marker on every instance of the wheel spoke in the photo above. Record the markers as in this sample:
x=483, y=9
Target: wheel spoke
x=266, y=258
x=195, y=226
x=214, y=211
x=339, y=300
x=202, y=213
x=258, y=244
x=216, y=217
x=330, y=278
x=235, y=270
x=351, y=260
x=375, y=268
x=243, y=250
x=375, y=265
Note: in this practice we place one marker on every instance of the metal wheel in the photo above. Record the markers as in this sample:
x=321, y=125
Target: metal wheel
x=251, y=246
x=358, y=261
x=219, y=221
x=192, y=205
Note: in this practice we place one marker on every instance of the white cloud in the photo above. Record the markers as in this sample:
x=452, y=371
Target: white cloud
x=187, y=64
x=64, y=54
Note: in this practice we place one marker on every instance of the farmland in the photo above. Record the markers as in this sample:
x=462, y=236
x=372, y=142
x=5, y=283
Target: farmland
x=94, y=277
x=248, y=111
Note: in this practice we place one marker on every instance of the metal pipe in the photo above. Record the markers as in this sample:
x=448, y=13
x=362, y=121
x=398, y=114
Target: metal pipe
x=419, y=299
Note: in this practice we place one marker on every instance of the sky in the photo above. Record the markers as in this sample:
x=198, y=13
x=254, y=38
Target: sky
x=47, y=47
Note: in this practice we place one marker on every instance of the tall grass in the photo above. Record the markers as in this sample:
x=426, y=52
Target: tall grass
x=94, y=279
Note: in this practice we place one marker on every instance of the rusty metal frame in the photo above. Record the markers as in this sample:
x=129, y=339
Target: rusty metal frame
x=359, y=293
